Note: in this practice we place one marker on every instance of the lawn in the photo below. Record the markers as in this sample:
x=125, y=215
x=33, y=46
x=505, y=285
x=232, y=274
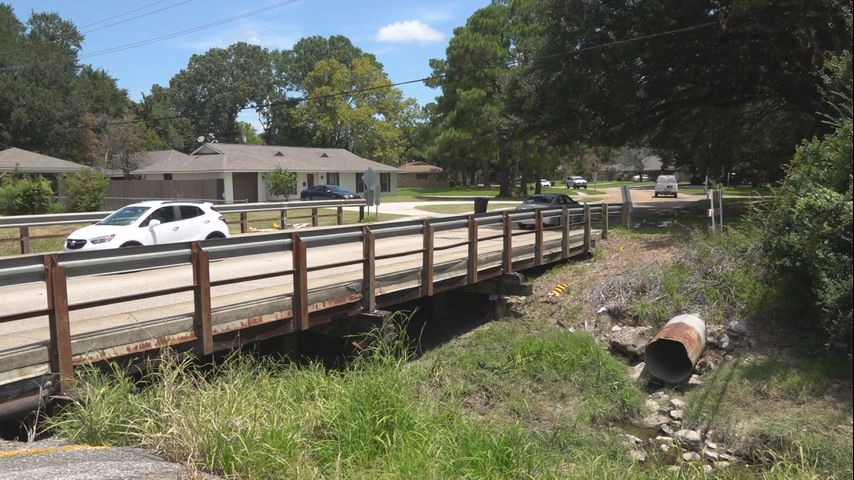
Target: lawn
x=409, y=194
x=42, y=245
x=745, y=191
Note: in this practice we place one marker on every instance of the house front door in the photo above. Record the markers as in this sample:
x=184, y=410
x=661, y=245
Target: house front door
x=310, y=179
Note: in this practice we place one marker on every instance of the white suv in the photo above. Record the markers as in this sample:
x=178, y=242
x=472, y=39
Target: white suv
x=576, y=182
x=150, y=223
x=666, y=185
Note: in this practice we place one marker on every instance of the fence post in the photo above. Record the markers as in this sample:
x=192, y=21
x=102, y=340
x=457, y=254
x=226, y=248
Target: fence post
x=25, y=240
x=369, y=278
x=244, y=222
x=314, y=217
x=58, y=321
x=538, y=237
x=564, y=238
x=283, y=218
x=605, y=221
x=427, y=260
x=472, y=263
x=202, y=322
x=587, y=228
x=507, y=253
x=299, y=302
x=627, y=216
x=361, y=213
x=340, y=215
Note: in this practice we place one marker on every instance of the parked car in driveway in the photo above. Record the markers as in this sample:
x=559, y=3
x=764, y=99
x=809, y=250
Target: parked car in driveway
x=545, y=183
x=640, y=178
x=150, y=223
x=545, y=200
x=576, y=182
x=666, y=185
x=331, y=192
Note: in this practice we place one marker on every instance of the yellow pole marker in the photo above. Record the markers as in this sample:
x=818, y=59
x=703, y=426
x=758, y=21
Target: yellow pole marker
x=39, y=451
x=559, y=288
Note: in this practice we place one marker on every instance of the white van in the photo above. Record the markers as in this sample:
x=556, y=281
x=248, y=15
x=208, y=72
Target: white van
x=666, y=185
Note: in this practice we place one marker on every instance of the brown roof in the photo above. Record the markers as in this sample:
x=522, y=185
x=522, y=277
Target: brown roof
x=32, y=162
x=420, y=167
x=227, y=157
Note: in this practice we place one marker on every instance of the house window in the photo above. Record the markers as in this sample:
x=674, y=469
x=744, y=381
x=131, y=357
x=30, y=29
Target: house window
x=332, y=178
x=385, y=182
x=360, y=184
x=421, y=176
x=167, y=176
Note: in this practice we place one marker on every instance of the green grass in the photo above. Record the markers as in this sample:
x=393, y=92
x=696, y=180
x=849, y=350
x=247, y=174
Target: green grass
x=731, y=191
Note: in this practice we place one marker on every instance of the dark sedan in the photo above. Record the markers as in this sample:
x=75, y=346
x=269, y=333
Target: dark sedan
x=545, y=200
x=333, y=192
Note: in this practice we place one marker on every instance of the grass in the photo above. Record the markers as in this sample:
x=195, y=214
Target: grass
x=731, y=191
x=41, y=245
x=410, y=194
x=460, y=208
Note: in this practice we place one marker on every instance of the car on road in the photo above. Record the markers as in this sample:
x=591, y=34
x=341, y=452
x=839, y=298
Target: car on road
x=640, y=178
x=545, y=183
x=666, y=185
x=545, y=200
x=576, y=182
x=150, y=223
x=332, y=192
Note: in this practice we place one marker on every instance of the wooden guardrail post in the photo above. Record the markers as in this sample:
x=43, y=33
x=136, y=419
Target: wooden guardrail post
x=507, y=253
x=626, y=216
x=202, y=321
x=59, y=350
x=427, y=260
x=314, y=217
x=339, y=215
x=283, y=218
x=299, y=302
x=605, y=221
x=25, y=240
x=369, y=277
x=244, y=222
x=361, y=213
x=587, y=228
x=564, y=237
x=538, y=237
x=472, y=240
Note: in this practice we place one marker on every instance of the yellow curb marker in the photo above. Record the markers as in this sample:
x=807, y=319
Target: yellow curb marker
x=39, y=451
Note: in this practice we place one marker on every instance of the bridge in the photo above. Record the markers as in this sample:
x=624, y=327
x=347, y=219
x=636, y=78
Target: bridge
x=67, y=309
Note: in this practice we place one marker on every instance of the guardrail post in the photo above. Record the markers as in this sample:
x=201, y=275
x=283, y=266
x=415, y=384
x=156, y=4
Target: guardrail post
x=59, y=350
x=472, y=263
x=627, y=218
x=339, y=217
x=587, y=228
x=507, y=253
x=202, y=323
x=427, y=260
x=244, y=222
x=369, y=278
x=25, y=239
x=283, y=218
x=299, y=302
x=361, y=213
x=538, y=237
x=564, y=237
x=314, y=217
x=605, y=221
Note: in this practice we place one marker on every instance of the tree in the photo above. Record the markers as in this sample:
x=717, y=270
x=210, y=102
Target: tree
x=248, y=134
x=162, y=118
x=86, y=190
x=281, y=183
x=116, y=143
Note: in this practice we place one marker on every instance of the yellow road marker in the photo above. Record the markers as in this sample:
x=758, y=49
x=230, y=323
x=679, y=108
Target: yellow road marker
x=39, y=451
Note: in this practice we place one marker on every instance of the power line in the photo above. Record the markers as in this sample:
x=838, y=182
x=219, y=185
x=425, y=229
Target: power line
x=123, y=13
x=187, y=31
x=167, y=7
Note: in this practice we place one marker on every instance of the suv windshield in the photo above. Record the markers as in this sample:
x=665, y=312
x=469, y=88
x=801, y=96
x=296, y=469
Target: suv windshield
x=537, y=199
x=335, y=188
x=124, y=216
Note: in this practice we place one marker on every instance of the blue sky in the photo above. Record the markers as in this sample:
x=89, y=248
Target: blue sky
x=403, y=35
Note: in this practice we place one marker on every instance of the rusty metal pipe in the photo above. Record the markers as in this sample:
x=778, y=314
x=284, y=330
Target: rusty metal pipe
x=675, y=349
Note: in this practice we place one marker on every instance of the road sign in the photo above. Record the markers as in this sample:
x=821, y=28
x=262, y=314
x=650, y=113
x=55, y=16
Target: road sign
x=372, y=187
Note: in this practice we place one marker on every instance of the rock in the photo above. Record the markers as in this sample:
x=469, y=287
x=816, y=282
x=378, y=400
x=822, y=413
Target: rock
x=695, y=380
x=711, y=454
x=719, y=340
x=708, y=468
x=691, y=457
x=712, y=445
x=602, y=310
x=666, y=429
x=674, y=469
x=636, y=372
x=631, y=439
x=637, y=455
x=631, y=341
x=689, y=439
x=677, y=404
x=665, y=448
x=616, y=328
x=654, y=420
x=705, y=365
x=652, y=405
x=737, y=327
x=722, y=464
x=676, y=414
x=665, y=440
x=727, y=458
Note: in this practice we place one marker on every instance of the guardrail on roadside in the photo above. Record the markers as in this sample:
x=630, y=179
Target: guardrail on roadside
x=24, y=222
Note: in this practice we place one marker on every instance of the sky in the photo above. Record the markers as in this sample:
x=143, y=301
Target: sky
x=403, y=34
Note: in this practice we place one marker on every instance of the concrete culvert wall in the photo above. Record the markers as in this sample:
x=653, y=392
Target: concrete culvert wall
x=674, y=351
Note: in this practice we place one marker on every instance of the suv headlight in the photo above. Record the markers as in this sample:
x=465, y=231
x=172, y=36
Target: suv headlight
x=104, y=239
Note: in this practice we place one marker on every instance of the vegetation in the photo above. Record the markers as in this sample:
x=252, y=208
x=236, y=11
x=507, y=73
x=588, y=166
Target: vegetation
x=23, y=195
x=87, y=190
x=281, y=183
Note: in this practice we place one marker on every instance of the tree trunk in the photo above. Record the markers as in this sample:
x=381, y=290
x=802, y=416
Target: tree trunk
x=503, y=170
x=538, y=188
x=484, y=166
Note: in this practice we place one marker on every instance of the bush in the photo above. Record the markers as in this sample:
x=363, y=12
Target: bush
x=281, y=183
x=20, y=195
x=86, y=190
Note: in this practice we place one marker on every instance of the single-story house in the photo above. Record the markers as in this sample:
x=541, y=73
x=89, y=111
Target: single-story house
x=421, y=174
x=32, y=163
x=144, y=159
x=651, y=165
x=240, y=169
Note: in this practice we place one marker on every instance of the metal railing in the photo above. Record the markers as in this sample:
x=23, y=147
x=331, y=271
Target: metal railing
x=55, y=269
x=23, y=223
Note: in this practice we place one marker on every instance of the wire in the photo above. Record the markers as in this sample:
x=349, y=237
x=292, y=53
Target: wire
x=102, y=27
x=123, y=13
x=187, y=31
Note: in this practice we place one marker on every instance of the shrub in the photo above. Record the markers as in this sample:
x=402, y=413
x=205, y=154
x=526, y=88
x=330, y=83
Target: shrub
x=20, y=195
x=86, y=190
x=281, y=183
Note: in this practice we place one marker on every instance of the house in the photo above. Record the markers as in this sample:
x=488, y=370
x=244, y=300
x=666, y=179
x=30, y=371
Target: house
x=421, y=174
x=32, y=163
x=239, y=169
x=144, y=159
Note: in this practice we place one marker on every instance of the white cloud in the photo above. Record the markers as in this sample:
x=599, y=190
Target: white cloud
x=409, y=31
